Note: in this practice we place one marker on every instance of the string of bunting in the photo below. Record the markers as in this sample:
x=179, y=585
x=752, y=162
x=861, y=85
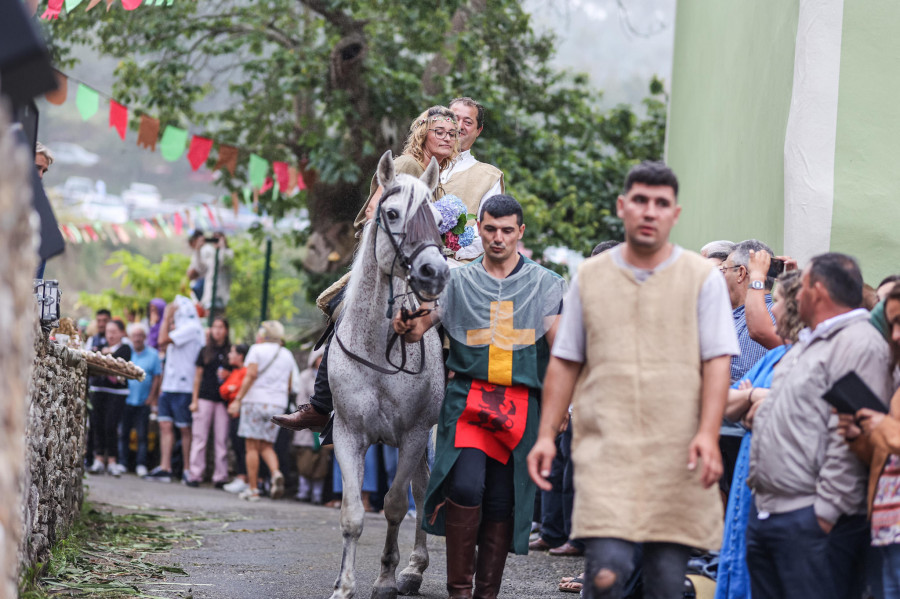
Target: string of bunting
x=162, y=225
x=173, y=143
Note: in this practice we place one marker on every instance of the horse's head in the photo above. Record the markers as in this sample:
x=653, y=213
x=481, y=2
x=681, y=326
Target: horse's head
x=411, y=248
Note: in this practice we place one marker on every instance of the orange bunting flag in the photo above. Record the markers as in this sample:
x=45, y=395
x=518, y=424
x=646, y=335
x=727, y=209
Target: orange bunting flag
x=59, y=95
x=148, y=133
x=118, y=118
x=228, y=157
x=199, y=151
x=91, y=5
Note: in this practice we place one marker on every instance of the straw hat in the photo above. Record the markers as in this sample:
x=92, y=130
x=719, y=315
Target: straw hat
x=271, y=330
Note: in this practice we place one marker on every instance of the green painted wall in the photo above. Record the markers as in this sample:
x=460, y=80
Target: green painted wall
x=866, y=220
x=730, y=95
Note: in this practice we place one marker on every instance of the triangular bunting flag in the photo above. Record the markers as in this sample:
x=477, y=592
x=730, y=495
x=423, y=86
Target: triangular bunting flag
x=283, y=176
x=149, y=231
x=130, y=4
x=118, y=118
x=257, y=171
x=178, y=223
x=53, y=9
x=209, y=213
x=173, y=143
x=228, y=156
x=199, y=151
x=87, y=100
x=148, y=133
x=71, y=4
x=59, y=95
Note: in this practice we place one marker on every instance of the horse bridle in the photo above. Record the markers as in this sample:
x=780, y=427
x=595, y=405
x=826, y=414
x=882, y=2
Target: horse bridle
x=405, y=262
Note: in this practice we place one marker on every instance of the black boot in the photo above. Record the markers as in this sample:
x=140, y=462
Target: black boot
x=461, y=529
x=493, y=546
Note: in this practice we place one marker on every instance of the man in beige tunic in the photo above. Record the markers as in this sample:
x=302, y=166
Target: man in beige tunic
x=643, y=353
x=469, y=179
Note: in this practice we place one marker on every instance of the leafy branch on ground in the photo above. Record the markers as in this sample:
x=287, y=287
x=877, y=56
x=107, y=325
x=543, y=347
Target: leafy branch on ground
x=112, y=555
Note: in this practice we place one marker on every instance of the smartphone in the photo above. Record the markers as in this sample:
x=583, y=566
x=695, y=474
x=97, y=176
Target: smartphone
x=776, y=267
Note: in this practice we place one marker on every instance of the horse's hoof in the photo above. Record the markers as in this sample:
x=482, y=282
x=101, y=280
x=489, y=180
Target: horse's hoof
x=384, y=593
x=409, y=585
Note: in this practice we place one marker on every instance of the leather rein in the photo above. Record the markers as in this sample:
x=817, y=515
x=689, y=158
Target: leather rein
x=405, y=262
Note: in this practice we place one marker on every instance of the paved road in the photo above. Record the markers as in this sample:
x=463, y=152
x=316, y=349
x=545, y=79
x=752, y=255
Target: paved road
x=284, y=549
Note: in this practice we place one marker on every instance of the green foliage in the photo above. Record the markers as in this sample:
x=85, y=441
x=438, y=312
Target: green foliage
x=105, y=554
x=246, y=290
x=140, y=280
x=332, y=83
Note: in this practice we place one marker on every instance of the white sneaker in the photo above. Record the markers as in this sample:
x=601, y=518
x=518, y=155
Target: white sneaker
x=141, y=471
x=277, y=486
x=97, y=467
x=117, y=469
x=236, y=486
x=249, y=494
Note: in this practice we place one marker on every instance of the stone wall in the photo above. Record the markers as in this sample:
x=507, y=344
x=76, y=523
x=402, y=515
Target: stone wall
x=54, y=448
x=18, y=260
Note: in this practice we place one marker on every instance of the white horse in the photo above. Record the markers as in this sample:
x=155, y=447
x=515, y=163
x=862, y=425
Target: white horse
x=384, y=390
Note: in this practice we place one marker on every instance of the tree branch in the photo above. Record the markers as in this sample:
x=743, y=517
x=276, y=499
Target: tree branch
x=345, y=23
x=268, y=31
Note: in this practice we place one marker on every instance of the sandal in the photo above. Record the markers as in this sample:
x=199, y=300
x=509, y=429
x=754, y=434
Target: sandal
x=571, y=585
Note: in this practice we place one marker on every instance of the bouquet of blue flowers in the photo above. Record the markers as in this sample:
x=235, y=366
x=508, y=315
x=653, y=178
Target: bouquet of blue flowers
x=453, y=229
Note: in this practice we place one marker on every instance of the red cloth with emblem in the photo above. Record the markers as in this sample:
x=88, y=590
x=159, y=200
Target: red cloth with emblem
x=493, y=420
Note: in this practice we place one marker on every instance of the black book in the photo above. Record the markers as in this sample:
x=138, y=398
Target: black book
x=850, y=393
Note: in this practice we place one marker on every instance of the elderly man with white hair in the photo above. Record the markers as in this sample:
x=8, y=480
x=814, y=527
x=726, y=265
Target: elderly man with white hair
x=141, y=396
x=717, y=251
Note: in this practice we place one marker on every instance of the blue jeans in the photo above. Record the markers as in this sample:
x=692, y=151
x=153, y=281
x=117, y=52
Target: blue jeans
x=553, y=521
x=890, y=570
x=370, y=473
x=137, y=418
x=789, y=556
x=733, y=581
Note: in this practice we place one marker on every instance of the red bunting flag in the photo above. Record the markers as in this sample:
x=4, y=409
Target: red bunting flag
x=131, y=4
x=53, y=9
x=267, y=185
x=283, y=175
x=176, y=220
x=91, y=233
x=118, y=118
x=199, y=151
x=212, y=217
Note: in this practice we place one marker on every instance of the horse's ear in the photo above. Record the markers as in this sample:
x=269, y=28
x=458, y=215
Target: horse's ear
x=385, y=171
x=432, y=174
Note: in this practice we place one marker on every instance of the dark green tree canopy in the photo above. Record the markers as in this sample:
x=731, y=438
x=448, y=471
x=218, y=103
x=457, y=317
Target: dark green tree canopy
x=331, y=84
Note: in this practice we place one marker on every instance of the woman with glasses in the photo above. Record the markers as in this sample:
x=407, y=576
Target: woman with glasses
x=434, y=133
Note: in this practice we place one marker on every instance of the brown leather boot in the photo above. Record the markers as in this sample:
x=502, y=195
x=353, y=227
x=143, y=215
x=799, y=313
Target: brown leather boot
x=305, y=417
x=493, y=546
x=461, y=529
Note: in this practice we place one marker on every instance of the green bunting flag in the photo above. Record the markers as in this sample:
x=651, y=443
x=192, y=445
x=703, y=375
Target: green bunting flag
x=87, y=100
x=259, y=168
x=173, y=143
x=71, y=4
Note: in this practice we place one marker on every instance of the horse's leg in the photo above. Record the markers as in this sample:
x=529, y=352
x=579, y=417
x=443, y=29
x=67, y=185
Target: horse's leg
x=350, y=453
x=396, y=504
x=410, y=578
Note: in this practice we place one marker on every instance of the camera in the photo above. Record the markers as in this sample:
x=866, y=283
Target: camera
x=776, y=267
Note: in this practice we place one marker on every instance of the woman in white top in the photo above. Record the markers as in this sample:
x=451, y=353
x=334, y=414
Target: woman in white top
x=263, y=394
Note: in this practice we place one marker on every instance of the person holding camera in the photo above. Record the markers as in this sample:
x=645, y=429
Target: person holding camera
x=736, y=271
x=205, y=274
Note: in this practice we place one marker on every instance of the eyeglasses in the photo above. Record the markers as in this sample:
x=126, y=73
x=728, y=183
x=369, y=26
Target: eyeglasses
x=722, y=269
x=444, y=133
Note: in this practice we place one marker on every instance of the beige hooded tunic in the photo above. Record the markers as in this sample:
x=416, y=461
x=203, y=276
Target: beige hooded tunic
x=636, y=407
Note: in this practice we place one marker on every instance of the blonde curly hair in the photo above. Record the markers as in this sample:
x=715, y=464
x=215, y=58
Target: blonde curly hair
x=418, y=132
x=789, y=327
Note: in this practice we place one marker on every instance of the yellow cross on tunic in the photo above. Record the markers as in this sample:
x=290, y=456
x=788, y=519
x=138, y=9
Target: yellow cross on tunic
x=501, y=336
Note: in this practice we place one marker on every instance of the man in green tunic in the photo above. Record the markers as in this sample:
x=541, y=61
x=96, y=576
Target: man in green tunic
x=500, y=314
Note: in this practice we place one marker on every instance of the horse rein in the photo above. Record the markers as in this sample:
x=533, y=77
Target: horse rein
x=405, y=262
